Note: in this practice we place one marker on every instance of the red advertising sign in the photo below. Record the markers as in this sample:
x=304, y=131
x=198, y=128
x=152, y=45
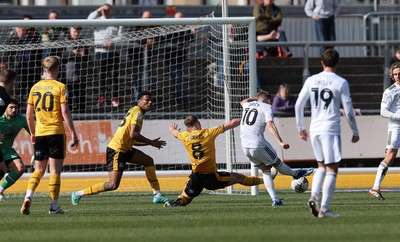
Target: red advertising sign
x=93, y=139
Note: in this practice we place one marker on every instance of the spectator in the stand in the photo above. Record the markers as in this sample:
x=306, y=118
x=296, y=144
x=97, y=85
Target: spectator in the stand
x=147, y=46
x=149, y=2
x=32, y=30
x=176, y=48
x=3, y=64
x=268, y=21
x=283, y=101
x=396, y=57
x=106, y=55
x=25, y=61
x=135, y=56
x=139, y=54
x=51, y=34
x=324, y=13
x=244, y=69
x=146, y=14
x=75, y=60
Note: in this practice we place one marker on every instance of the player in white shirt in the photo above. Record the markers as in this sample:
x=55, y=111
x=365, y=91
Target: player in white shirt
x=390, y=108
x=257, y=113
x=326, y=91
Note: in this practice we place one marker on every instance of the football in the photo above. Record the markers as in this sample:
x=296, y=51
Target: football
x=300, y=185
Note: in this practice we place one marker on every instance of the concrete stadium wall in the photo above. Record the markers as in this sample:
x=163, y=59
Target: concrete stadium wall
x=373, y=130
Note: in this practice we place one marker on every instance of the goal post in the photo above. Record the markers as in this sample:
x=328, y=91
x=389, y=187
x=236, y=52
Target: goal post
x=203, y=66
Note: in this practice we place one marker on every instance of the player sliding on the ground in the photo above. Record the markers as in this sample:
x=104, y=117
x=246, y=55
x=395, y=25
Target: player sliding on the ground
x=200, y=146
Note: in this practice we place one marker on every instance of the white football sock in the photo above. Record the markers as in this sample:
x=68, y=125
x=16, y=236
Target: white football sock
x=380, y=174
x=327, y=190
x=29, y=194
x=318, y=179
x=269, y=185
x=285, y=169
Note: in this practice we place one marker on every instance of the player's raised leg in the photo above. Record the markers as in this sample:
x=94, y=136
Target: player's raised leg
x=110, y=185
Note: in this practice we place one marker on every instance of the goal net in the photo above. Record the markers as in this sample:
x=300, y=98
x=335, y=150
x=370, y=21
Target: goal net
x=191, y=66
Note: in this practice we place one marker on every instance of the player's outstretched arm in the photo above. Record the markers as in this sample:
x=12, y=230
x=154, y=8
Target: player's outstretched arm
x=274, y=131
x=173, y=127
x=135, y=134
x=232, y=124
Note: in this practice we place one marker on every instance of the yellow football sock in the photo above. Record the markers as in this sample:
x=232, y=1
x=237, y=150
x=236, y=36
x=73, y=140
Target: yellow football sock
x=34, y=180
x=185, y=201
x=152, y=177
x=251, y=181
x=54, y=186
x=94, y=189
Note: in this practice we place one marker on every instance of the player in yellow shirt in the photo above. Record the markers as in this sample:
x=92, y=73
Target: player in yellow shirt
x=200, y=146
x=48, y=101
x=120, y=152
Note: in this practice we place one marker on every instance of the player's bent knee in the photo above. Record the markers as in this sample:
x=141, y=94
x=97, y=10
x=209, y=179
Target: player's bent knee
x=21, y=169
x=111, y=186
x=264, y=167
x=148, y=162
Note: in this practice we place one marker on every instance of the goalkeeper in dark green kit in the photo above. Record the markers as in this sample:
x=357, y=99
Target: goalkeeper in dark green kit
x=11, y=123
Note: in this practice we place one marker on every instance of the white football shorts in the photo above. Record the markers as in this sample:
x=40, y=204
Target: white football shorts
x=393, y=139
x=258, y=156
x=327, y=148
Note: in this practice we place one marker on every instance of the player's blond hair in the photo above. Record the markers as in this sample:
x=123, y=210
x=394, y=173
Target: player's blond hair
x=190, y=121
x=392, y=67
x=51, y=63
x=264, y=95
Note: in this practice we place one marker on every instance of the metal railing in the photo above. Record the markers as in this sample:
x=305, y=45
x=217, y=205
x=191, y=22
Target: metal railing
x=384, y=45
x=380, y=26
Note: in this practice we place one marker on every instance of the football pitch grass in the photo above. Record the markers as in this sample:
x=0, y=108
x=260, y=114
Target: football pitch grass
x=208, y=218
